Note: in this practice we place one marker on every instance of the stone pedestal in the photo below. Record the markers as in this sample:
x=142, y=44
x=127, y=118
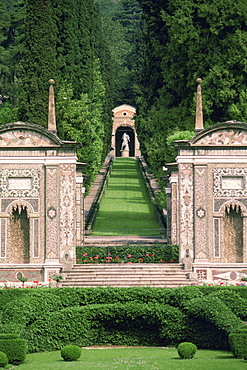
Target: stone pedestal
x=125, y=153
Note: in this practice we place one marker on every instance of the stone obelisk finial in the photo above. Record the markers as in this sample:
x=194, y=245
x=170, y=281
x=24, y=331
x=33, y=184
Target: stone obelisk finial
x=199, y=115
x=51, y=110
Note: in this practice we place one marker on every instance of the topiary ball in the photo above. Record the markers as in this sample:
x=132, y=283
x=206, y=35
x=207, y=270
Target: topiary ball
x=3, y=359
x=71, y=352
x=186, y=350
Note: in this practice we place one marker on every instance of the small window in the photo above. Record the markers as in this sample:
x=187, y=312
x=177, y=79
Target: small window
x=124, y=113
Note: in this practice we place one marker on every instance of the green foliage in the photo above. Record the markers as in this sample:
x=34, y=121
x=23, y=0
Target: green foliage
x=9, y=336
x=212, y=309
x=3, y=359
x=238, y=343
x=15, y=350
x=71, y=352
x=171, y=152
x=184, y=40
x=232, y=300
x=26, y=310
x=128, y=254
x=186, y=350
x=117, y=323
x=50, y=319
x=8, y=115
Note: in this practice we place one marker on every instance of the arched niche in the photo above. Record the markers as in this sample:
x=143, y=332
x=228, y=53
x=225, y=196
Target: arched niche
x=118, y=140
x=233, y=216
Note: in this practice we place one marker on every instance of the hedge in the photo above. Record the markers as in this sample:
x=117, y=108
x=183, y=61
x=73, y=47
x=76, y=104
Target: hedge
x=52, y=318
x=128, y=254
x=122, y=324
x=215, y=311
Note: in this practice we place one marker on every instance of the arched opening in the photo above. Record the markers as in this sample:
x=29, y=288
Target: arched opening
x=118, y=140
x=19, y=251
x=233, y=235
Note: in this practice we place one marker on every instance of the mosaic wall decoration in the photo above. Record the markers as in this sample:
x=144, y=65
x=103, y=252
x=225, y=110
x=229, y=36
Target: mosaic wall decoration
x=67, y=205
x=19, y=183
x=200, y=211
x=229, y=182
x=186, y=210
x=3, y=233
x=52, y=196
x=227, y=137
x=24, y=138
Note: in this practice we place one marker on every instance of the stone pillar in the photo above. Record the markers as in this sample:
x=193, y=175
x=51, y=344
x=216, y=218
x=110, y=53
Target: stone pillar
x=186, y=214
x=68, y=215
x=201, y=216
x=52, y=265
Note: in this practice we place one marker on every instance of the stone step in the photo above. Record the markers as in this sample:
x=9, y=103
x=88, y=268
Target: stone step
x=126, y=275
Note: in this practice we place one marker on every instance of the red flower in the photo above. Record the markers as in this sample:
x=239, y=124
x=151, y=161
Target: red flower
x=96, y=257
x=109, y=254
x=171, y=260
x=164, y=261
x=147, y=254
x=152, y=255
x=85, y=254
x=140, y=259
x=117, y=258
x=161, y=260
x=129, y=256
x=84, y=261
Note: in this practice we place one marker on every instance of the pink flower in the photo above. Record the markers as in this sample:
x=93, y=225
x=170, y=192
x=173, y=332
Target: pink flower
x=96, y=257
x=85, y=254
x=129, y=256
x=147, y=254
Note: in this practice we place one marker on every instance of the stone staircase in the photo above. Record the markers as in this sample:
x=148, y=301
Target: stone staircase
x=126, y=275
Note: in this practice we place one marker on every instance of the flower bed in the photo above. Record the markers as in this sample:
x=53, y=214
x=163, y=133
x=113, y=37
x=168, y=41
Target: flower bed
x=128, y=254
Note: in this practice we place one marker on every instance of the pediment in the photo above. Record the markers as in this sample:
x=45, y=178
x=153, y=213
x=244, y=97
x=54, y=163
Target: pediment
x=228, y=133
x=19, y=134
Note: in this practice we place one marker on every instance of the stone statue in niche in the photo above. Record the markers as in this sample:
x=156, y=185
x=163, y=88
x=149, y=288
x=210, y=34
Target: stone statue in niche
x=125, y=142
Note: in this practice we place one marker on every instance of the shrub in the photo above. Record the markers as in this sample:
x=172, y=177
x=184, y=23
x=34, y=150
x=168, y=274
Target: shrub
x=213, y=310
x=15, y=349
x=3, y=359
x=30, y=308
x=238, y=343
x=9, y=336
x=71, y=352
x=232, y=299
x=186, y=350
x=125, y=324
x=148, y=254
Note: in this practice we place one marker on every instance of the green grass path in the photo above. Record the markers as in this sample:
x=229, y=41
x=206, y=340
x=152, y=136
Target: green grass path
x=134, y=358
x=125, y=207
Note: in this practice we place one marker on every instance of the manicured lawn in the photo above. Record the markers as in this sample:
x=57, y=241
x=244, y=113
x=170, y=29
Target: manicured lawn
x=125, y=208
x=135, y=358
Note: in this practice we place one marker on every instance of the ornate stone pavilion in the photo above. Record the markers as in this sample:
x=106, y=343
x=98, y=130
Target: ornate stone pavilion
x=123, y=122
x=207, y=200
x=41, y=192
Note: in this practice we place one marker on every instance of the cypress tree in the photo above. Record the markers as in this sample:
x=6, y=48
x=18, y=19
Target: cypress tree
x=39, y=63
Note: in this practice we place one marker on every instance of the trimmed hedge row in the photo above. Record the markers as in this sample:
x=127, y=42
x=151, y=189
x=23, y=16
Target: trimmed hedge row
x=122, y=324
x=51, y=318
x=128, y=254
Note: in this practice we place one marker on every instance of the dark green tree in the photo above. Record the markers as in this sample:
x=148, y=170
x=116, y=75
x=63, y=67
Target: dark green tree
x=184, y=40
x=39, y=62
